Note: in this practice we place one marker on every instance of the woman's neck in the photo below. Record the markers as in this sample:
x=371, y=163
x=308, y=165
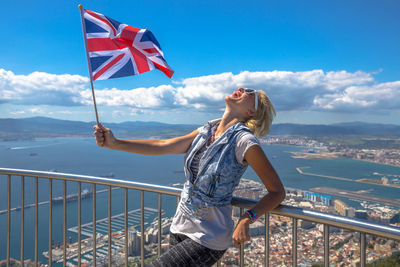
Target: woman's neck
x=227, y=120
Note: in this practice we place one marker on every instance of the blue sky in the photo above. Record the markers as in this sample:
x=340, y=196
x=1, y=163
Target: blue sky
x=319, y=61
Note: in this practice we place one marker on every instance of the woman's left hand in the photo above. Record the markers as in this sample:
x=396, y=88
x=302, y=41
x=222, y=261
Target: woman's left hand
x=241, y=232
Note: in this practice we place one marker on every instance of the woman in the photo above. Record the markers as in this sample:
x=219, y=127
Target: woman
x=217, y=155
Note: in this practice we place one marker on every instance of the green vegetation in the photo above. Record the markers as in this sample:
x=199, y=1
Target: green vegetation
x=137, y=262
x=391, y=261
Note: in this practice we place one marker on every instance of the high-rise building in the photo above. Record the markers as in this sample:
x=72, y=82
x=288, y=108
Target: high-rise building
x=326, y=200
x=340, y=207
x=133, y=242
x=314, y=197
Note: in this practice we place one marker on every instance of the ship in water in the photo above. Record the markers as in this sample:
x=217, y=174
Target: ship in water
x=85, y=193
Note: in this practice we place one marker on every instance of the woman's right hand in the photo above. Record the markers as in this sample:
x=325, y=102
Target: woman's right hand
x=104, y=136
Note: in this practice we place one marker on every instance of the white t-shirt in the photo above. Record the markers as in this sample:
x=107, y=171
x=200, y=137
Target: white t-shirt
x=215, y=231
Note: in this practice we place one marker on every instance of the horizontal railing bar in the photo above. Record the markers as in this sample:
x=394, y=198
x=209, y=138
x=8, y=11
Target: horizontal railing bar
x=95, y=180
x=352, y=224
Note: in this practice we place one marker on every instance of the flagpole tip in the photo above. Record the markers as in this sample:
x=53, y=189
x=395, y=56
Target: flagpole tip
x=80, y=6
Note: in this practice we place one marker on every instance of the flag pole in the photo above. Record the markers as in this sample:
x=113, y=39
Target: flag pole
x=89, y=66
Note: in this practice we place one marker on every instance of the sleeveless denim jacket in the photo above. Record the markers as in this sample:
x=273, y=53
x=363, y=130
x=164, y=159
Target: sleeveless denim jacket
x=219, y=171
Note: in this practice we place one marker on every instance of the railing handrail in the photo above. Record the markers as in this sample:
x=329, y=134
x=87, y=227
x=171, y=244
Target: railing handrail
x=352, y=224
x=94, y=180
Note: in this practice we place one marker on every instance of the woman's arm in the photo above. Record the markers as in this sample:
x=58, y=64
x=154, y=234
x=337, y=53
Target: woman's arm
x=177, y=145
x=257, y=159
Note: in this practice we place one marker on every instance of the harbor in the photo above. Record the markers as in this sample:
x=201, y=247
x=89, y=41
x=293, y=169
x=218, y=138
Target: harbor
x=117, y=243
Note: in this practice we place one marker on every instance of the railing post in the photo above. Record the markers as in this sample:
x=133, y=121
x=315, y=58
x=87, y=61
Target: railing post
x=142, y=227
x=109, y=227
x=94, y=222
x=50, y=222
x=267, y=239
x=126, y=227
x=241, y=246
x=159, y=225
x=363, y=249
x=326, y=245
x=294, y=242
x=65, y=223
x=22, y=217
x=8, y=220
x=79, y=224
x=36, y=221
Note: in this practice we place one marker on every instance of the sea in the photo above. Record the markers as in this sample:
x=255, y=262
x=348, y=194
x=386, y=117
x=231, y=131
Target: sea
x=83, y=156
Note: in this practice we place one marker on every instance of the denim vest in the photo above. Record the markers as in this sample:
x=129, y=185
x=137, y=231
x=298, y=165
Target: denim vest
x=219, y=171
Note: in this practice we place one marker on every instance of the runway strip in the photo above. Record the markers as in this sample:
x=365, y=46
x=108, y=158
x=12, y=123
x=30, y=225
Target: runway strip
x=362, y=181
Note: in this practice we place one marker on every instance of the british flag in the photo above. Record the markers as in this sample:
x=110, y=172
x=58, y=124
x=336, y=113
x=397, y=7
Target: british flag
x=118, y=50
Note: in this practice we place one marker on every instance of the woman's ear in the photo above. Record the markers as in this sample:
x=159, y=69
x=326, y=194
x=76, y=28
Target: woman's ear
x=251, y=113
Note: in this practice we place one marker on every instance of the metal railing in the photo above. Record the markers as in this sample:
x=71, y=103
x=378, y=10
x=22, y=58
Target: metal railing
x=328, y=220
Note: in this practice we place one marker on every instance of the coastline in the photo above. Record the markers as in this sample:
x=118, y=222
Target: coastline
x=371, y=161
x=334, y=155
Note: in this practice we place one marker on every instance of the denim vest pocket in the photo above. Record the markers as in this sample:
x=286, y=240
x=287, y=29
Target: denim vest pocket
x=213, y=185
x=224, y=189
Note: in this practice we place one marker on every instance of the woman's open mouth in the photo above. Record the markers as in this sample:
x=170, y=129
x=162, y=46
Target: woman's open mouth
x=237, y=93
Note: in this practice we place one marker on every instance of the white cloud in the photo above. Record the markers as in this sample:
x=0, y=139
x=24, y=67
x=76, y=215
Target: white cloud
x=160, y=96
x=68, y=112
x=18, y=112
x=41, y=88
x=118, y=113
x=377, y=97
x=138, y=111
x=38, y=111
x=290, y=91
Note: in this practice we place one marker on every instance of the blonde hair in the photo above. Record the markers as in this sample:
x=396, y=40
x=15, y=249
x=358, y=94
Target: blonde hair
x=260, y=124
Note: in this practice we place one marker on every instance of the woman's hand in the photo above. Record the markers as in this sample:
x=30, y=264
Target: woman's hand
x=241, y=232
x=104, y=136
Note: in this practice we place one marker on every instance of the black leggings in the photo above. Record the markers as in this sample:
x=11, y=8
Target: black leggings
x=183, y=251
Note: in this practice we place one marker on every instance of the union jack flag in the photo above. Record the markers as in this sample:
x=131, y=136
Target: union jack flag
x=118, y=50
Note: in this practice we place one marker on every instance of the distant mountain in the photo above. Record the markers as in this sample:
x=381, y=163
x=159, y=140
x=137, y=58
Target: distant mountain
x=47, y=127
x=347, y=128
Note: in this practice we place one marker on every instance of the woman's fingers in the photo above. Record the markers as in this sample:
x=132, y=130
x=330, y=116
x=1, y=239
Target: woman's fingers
x=99, y=141
x=240, y=240
x=103, y=135
x=99, y=135
x=99, y=127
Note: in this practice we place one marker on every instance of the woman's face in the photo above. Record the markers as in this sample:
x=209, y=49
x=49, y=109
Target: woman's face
x=243, y=100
